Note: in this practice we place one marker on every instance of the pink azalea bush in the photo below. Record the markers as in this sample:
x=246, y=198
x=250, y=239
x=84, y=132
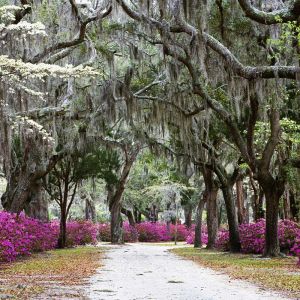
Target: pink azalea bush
x=104, y=232
x=191, y=237
x=160, y=232
x=147, y=232
x=295, y=250
x=21, y=236
x=81, y=233
x=130, y=233
x=153, y=232
x=253, y=237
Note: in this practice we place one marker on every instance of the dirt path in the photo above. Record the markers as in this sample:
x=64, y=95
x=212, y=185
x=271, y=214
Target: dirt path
x=140, y=271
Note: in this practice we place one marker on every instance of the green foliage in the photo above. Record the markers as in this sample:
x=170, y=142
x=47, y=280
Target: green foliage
x=48, y=11
x=290, y=33
x=98, y=164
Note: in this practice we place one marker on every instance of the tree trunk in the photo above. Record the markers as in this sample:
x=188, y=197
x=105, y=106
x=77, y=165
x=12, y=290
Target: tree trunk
x=188, y=216
x=287, y=204
x=90, y=209
x=212, y=216
x=62, y=228
x=116, y=224
x=257, y=200
x=37, y=204
x=234, y=236
x=17, y=193
x=273, y=190
x=241, y=210
x=272, y=208
x=198, y=227
x=294, y=207
x=128, y=213
x=115, y=195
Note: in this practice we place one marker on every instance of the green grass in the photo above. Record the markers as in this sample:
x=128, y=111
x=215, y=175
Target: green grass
x=281, y=274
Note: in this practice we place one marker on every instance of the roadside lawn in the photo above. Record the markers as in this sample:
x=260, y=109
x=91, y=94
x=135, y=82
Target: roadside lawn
x=280, y=274
x=53, y=274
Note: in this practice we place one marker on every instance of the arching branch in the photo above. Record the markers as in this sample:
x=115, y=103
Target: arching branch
x=80, y=37
x=289, y=13
x=248, y=72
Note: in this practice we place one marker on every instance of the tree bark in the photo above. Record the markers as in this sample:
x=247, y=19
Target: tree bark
x=116, y=224
x=227, y=181
x=234, y=236
x=212, y=216
x=294, y=207
x=272, y=209
x=273, y=190
x=241, y=210
x=287, y=204
x=90, y=209
x=115, y=195
x=62, y=228
x=37, y=205
x=198, y=227
x=188, y=211
x=128, y=213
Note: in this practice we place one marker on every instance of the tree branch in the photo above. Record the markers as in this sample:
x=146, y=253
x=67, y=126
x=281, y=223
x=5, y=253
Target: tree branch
x=273, y=139
x=290, y=13
x=77, y=40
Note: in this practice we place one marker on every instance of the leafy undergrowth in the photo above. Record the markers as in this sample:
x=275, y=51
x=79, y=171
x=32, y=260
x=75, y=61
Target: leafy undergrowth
x=55, y=274
x=281, y=274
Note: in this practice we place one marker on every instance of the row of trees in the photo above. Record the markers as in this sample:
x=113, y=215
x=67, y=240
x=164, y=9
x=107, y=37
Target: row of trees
x=212, y=84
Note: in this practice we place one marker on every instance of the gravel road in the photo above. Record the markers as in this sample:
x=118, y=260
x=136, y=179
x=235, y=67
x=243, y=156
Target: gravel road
x=141, y=271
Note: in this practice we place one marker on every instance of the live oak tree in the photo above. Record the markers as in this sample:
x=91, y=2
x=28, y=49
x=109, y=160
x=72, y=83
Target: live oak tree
x=184, y=36
x=26, y=147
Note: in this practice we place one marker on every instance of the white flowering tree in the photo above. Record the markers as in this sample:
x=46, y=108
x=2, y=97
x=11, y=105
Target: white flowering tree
x=28, y=76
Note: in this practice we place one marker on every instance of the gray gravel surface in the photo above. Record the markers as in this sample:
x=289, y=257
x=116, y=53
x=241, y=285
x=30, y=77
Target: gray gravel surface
x=141, y=271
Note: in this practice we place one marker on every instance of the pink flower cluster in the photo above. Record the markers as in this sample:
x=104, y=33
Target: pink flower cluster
x=79, y=232
x=191, y=237
x=147, y=232
x=20, y=235
x=253, y=237
x=130, y=233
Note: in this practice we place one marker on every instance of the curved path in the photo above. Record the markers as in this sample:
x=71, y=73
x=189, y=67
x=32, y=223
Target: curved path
x=141, y=271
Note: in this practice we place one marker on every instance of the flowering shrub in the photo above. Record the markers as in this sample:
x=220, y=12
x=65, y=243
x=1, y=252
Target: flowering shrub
x=81, y=233
x=20, y=235
x=222, y=242
x=296, y=247
x=159, y=232
x=253, y=237
x=182, y=232
x=287, y=234
x=191, y=237
x=130, y=233
x=147, y=232
x=104, y=232
x=153, y=232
